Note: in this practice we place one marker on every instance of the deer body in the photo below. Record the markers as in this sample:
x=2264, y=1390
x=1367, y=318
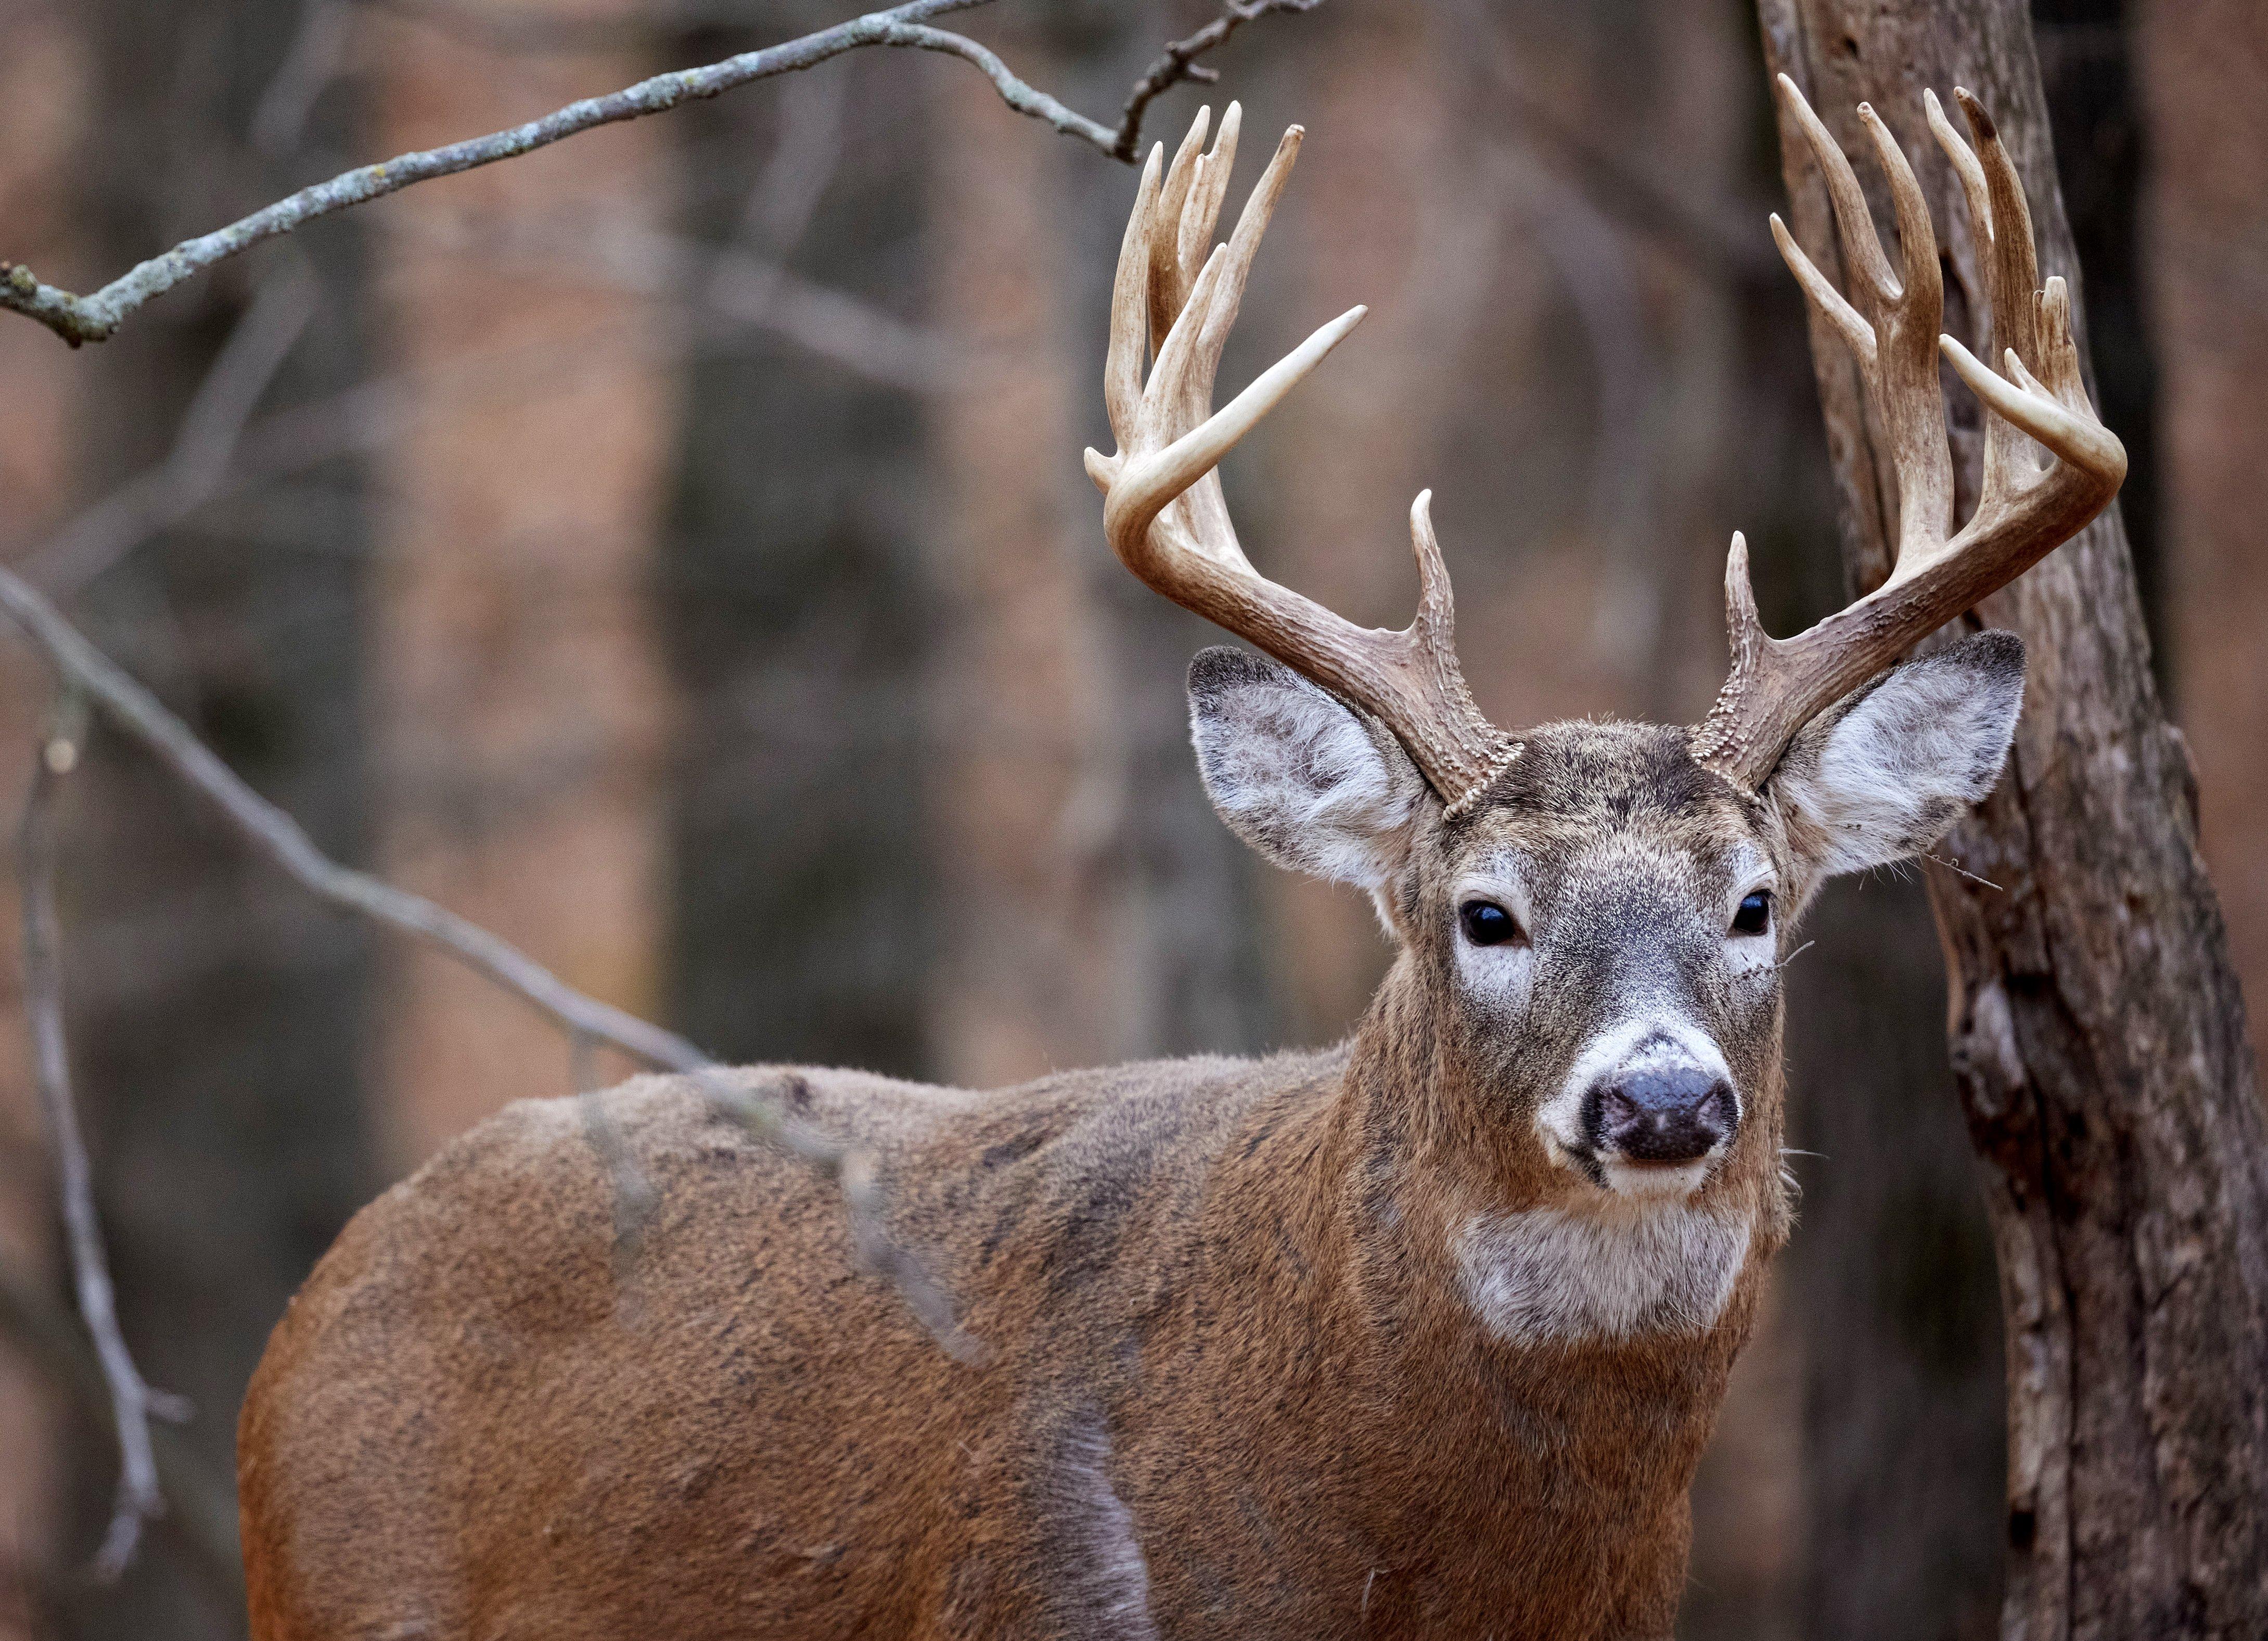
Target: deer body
x=1178, y=1425
x=1419, y=1336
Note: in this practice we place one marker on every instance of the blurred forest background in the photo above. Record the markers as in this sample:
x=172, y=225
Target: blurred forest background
x=670, y=550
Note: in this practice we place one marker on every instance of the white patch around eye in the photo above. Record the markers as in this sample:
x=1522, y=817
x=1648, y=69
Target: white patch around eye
x=1554, y=1274
x=1746, y=954
x=1496, y=977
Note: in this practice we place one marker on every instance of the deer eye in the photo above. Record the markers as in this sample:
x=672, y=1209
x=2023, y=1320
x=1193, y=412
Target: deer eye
x=1754, y=914
x=1487, y=923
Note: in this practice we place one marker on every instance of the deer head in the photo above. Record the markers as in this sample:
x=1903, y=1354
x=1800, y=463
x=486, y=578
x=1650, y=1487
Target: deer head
x=1592, y=918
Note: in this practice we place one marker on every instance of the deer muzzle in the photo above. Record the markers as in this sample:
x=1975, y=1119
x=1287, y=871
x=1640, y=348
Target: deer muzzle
x=1645, y=1109
x=1663, y=1115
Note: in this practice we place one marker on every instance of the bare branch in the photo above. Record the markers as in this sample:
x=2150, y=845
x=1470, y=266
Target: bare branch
x=1036, y=104
x=201, y=1505
x=767, y=1116
x=741, y=291
x=635, y=1197
x=96, y=317
x=85, y=671
x=1178, y=62
x=308, y=67
x=204, y=445
x=277, y=835
x=132, y=1400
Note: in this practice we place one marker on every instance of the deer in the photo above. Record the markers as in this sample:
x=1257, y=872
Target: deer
x=1421, y=1334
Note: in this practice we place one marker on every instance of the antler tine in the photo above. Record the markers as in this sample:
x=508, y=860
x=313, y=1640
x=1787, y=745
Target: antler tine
x=1965, y=167
x=1907, y=399
x=1849, y=324
x=2004, y=241
x=1204, y=508
x=1207, y=194
x=1170, y=281
x=1163, y=510
x=1130, y=307
x=2024, y=512
x=1870, y=268
x=1897, y=356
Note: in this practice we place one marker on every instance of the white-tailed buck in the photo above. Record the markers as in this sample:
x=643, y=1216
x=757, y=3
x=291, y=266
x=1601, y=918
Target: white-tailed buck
x=1421, y=1335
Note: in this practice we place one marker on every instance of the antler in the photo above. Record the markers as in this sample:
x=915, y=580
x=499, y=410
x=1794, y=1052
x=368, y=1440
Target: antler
x=1163, y=508
x=2024, y=512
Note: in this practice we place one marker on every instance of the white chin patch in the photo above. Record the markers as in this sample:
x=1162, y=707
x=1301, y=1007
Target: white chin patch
x=1555, y=1274
x=1662, y=1180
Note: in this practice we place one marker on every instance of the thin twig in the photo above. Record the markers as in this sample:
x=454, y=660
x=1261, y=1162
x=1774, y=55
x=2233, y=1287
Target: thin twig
x=201, y=1505
x=634, y=1193
x=738, y=286
x=800, y=169
x=743, y=289
x=1956, y=867
x=279, y=836
x=852, y=1171
x=138, y=1499
x=824, y=321
x=205, y=447
x=309, y=66
x=1178, y=62
x=86, y=670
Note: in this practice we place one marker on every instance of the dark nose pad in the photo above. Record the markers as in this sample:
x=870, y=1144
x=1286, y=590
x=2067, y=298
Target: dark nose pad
x=1675, y=1113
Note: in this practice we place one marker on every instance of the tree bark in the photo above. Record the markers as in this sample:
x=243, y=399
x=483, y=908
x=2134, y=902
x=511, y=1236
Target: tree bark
x=218, y=1015
x=2098, y=1034
x=795, y=603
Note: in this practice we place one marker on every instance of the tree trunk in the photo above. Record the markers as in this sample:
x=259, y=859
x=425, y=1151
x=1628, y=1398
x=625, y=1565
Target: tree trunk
x=519, y=704
x=794, y=601
x=2098, y=1034
x=218, y=1014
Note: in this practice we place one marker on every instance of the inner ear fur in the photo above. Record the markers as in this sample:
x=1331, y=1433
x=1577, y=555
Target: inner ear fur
x=1309, y=782
x=1887, y=771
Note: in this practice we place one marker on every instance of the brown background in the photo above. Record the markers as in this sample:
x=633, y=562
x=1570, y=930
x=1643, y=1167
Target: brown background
x=670, y=550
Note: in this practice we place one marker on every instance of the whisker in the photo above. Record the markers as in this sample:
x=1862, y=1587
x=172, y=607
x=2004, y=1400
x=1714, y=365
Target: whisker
x=1965, y=871
x=1792, y=956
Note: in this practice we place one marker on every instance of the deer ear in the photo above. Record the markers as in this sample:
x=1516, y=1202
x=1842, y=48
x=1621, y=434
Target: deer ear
x=1297, y=774
x=1887, y=771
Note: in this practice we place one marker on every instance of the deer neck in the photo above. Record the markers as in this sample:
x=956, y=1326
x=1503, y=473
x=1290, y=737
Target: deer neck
x=1437, y=1228
x=1346, y=1289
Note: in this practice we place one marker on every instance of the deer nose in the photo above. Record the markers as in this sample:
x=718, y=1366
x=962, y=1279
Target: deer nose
x=1667, y=1113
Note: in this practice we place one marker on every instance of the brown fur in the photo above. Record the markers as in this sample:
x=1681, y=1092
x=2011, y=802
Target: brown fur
x=1219, y=1314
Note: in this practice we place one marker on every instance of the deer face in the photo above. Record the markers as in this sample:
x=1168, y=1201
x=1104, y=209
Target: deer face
x=1599, y=937
x=1593, y=916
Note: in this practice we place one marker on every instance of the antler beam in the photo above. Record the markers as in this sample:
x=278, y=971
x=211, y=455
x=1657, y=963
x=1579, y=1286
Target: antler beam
x=1163, y=508
x=2025, y=509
